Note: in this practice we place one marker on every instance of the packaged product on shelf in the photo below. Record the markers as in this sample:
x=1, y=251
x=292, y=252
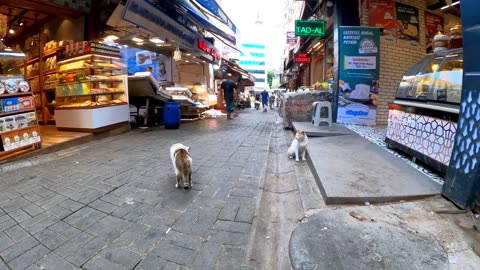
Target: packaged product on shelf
x=11, y=86
x=10, y=123
x=21, y=121
x=2, y=125
x=31, y=119
x=23, y=86
x=26, y=103
x=10, y=104
x=2, y=88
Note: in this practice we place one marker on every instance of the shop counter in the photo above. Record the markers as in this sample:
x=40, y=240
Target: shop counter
x=91, y=119
x=422, y=120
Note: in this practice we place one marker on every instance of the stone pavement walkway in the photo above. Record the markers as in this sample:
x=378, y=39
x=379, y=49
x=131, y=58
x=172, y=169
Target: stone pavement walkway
x=113, y=203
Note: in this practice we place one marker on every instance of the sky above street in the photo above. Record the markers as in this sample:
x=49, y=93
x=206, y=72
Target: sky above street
x=244, y=13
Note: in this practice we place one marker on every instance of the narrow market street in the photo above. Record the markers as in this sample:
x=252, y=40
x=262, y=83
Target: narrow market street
x=112, y=204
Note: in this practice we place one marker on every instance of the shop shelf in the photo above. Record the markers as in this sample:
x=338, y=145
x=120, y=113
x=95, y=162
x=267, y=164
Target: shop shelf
x=48, y=89
x=32, y=77
x=5, y=153
x=93, y=81
x=51, y=71
x=88, y=54
x=32, y=60
x=101, y=68
x=96, y=94
x=15, y=130
x=16, y=112
x=51, y=52
x=90, y=107
x=16, y=94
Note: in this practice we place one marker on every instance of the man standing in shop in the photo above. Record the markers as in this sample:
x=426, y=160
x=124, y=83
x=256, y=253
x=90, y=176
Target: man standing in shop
x=229, y=87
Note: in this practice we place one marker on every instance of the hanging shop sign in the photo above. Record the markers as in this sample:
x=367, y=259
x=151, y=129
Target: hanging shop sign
x=408, y=26
x=147, y=16
x=302, y=58
x=359, y=65
x=291, y=38
x=310, y=28
x=208, y=48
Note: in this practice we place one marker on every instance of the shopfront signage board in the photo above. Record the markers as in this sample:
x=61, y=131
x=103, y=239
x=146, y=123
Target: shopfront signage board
x=382, y=13
x=359, y=65
x=291, y=38
x=408, y=26
x=433, y=25
x=145, y=15
x=302, y=58
x=310, y=28
x=208, y=48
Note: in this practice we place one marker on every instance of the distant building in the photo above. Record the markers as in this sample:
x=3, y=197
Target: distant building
x=252, y=59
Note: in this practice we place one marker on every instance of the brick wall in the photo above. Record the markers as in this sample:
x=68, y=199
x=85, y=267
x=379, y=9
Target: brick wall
x=395, y=60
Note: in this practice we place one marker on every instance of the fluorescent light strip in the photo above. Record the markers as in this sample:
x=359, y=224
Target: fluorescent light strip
x=451, y=5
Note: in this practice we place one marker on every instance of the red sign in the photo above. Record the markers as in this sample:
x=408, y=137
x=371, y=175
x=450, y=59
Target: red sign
x=433, y=24
x=209, y=49
x=302, y=58
x=382, y=13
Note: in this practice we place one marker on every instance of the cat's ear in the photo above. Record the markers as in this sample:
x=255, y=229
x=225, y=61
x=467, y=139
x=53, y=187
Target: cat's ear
x=188, y=149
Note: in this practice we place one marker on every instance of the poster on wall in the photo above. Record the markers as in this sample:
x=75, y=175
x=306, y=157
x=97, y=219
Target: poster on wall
x=408, y=30
x=160, y=65
x=433, y=25
x=291, y=38
x=381, y=13
x=359, y=65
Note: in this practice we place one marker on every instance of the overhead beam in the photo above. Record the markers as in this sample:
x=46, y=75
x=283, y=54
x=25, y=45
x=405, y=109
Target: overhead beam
x=42, y=7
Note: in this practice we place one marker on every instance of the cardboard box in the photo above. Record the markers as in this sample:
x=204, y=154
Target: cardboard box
x=26, y=103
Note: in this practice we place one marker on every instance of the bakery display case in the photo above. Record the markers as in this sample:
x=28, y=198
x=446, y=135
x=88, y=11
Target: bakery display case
x=18, y=126
x=91, y=93
x=423, y=118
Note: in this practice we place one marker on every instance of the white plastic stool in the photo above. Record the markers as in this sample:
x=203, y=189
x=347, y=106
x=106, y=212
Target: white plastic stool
x=322, y=113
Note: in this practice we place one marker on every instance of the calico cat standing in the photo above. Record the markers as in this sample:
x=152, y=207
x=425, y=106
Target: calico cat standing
x=298, y=146
x=182, y=163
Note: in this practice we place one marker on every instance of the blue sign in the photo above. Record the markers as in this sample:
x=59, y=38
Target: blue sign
x=213, y=7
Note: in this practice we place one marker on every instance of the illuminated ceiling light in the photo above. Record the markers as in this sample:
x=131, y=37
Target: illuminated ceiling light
x=110, y=38
x=188, y=54
x=187, y=61
x=156, y=40
x=136, y=39
x=177, y=55
x=139, y=43
x=11, y=31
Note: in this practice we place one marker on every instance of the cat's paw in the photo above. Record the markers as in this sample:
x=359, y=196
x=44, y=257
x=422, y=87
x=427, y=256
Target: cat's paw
x=297, y=159
x=304, y=158
x=176, y=185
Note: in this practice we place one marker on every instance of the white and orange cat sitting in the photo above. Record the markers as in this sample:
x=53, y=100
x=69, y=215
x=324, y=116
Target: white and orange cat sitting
x=298, y=146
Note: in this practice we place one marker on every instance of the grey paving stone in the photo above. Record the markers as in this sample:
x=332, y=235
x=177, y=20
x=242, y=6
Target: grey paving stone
x=121, y=256
x=228, y=238
x=73, y=244
x=32, y=221
x=250, y=193
x=230, y=226
x=19, y=215
x=84, y=218
x=208, y=202
x=163, y=215
x=54, y=262
x=137, y=212
x=29, y=257
x=33, y=209
x=7, y=224
x=16, y=233
x=102, y=206
x=5, y=242
x=174, y=253
x=110, y=198
x=185, y=240
x=86, y=252
x=151, y=262
x=208, y=256
x=229, y=211
x=100, y=263
x=241, y=200
x=41, y=225
x=59, y=212
x=3, y=266
x=108, y=228
x=32, y=196
x=52, y=201
x=131, y=234
x=147, y=240
x=50, y=239
x=18, y=249
x=70, y=205
x=149, y=197
x=178, y=200
x=174, y=266
x=95, y=194
x=64, y=229
x=246, y=213
x=14, y=204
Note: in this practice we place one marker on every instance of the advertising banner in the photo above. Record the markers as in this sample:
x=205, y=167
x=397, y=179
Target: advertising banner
x=381, y=13
x=433, y=24
x=359, y=62
x=408, y=30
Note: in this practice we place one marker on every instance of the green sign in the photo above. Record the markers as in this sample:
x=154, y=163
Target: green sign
x=309, y=28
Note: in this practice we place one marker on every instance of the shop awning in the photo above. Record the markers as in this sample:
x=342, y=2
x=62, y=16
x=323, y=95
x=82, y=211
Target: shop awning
x=213, y=7
x=199, y=18
x=235, y=67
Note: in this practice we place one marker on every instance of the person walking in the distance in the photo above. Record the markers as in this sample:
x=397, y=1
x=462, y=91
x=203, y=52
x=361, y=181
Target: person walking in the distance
x=229, y=87
x=264, y=100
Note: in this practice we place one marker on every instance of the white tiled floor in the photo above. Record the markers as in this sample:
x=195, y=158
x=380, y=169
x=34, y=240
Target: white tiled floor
x=377, y=135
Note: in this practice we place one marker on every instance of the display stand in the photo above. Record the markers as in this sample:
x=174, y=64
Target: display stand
x=19, y=131
x=90, y=93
